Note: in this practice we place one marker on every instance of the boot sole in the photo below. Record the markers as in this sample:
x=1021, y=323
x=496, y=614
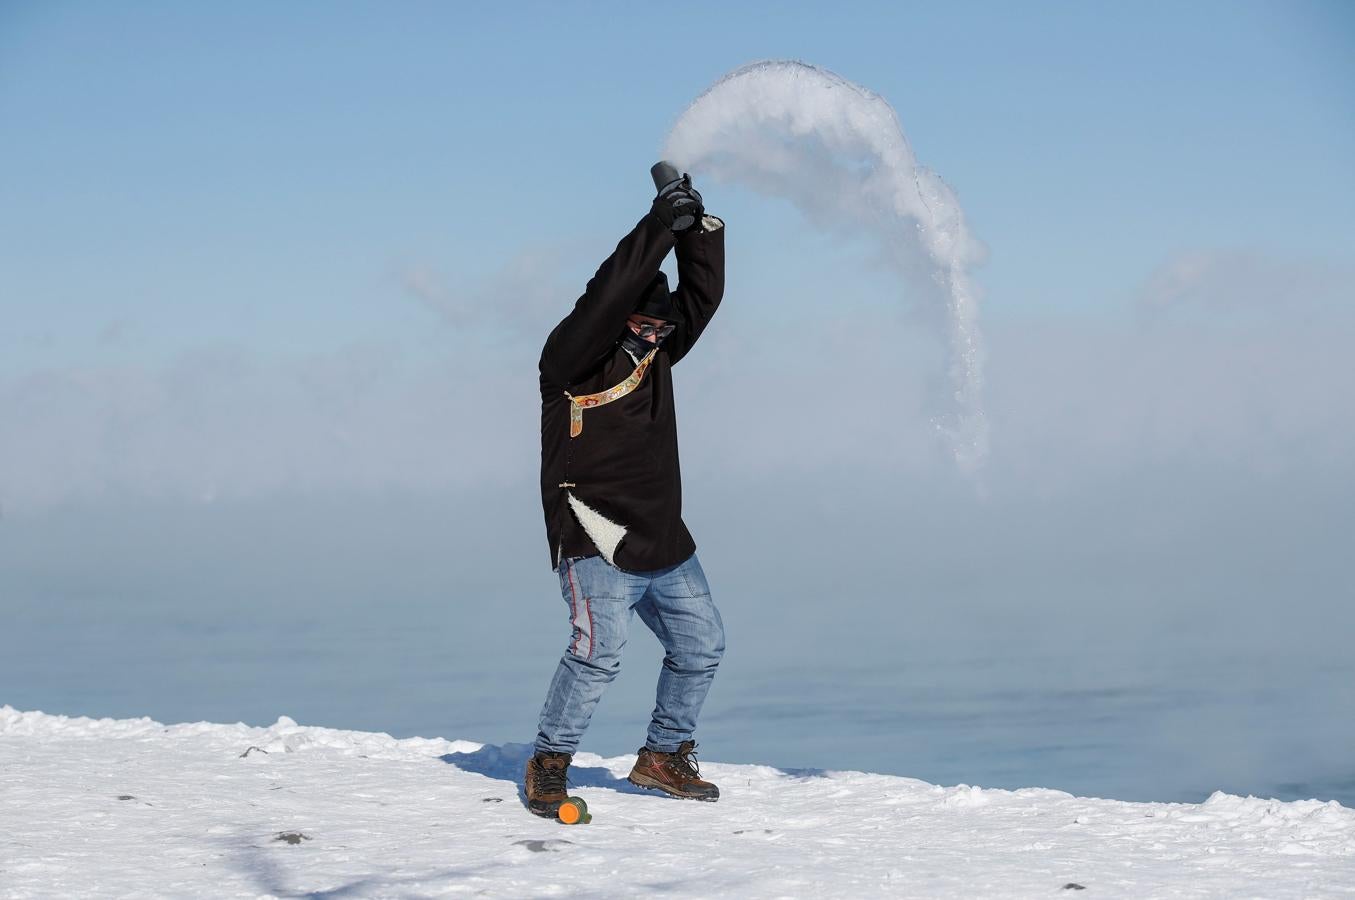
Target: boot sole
x=550, y=811
x=645, y=781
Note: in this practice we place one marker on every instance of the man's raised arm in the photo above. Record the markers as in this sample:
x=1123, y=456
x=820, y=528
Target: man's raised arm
x=587, y=334
x=701, y=283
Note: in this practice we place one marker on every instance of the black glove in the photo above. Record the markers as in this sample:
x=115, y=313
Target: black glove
x=678, y=205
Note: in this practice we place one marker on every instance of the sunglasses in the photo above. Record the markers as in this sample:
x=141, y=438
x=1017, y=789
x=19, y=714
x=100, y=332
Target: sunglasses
x=649, y=328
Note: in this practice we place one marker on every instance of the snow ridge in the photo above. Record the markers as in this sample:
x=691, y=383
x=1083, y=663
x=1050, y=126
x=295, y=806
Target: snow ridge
x=119, y=807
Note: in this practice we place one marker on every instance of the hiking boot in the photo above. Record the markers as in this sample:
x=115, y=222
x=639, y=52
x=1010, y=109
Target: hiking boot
x=545, y=782
x=673, y=773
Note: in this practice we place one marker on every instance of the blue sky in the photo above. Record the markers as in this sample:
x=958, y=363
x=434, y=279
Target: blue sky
x=178, y=174
x=327, y=222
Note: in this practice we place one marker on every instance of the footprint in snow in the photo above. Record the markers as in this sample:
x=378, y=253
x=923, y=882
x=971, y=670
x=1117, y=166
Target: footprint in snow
x=551, y=845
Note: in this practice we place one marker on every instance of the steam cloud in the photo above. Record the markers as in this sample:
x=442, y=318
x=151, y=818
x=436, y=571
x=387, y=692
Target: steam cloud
x=837, y=151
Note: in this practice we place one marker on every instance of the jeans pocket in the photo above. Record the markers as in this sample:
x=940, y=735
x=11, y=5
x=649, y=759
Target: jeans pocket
x=566, y=564
x=565, y=570
x=694, y=577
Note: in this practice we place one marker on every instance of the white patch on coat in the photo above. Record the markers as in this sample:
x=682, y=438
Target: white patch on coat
x=711, y=223
x=602, y=531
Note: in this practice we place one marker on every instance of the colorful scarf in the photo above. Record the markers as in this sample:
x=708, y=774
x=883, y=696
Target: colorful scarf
x=578, y=404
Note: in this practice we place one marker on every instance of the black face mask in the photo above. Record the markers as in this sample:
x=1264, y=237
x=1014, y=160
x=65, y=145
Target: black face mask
x=636, y=344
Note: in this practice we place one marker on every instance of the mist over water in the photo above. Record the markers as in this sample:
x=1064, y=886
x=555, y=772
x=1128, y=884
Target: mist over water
x=838, y=152
x=1148, y=674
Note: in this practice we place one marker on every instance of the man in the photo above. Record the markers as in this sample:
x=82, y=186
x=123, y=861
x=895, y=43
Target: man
x=612, y=494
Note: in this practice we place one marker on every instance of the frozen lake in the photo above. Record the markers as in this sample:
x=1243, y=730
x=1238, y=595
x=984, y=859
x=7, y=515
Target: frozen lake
x=395, y=618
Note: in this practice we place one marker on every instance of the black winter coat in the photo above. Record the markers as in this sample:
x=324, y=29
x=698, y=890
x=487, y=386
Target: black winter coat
x=616, y=488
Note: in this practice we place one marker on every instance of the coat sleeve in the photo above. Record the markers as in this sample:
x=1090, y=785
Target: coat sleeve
x=587, y=334
x=701, y=284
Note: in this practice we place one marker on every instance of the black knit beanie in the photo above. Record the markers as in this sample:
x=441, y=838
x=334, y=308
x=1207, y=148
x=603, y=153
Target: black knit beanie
x=656, y=301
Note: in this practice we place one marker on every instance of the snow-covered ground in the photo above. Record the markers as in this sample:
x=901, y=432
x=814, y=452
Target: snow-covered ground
x=134, y=808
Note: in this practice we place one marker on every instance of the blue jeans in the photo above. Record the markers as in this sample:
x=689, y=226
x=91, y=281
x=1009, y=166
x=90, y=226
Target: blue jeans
x=675, y=603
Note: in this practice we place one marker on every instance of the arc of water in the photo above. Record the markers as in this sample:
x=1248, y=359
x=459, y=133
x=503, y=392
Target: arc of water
x=838, y=151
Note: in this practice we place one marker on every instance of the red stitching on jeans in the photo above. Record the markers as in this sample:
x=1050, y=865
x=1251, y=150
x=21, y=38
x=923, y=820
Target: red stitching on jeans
x=592, y=641
x=573, y=610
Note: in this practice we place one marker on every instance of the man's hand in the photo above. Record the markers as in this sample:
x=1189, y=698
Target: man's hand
x=678, y=205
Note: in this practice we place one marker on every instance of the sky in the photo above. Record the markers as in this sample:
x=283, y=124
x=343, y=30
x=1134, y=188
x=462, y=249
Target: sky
x=263, y=260
x=295, y=201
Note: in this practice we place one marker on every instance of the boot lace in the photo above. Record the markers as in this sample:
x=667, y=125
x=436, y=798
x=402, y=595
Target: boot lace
x=684, y=762
x=551, y=780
